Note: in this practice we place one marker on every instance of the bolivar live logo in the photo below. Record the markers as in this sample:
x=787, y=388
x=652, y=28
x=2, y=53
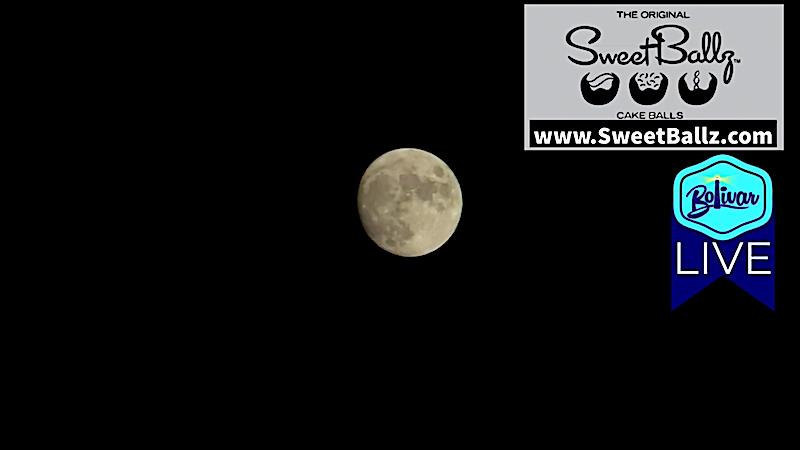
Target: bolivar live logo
x=730, y=202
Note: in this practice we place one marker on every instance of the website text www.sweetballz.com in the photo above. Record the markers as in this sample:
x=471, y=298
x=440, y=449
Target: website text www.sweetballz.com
x=597, y=133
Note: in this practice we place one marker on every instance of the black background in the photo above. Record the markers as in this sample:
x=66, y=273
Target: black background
x=543, y=270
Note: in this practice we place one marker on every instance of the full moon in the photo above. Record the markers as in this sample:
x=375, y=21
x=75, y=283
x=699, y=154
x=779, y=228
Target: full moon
x=409, y=202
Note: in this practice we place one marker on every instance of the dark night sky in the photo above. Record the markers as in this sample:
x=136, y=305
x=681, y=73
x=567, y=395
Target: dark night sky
x=523, y=272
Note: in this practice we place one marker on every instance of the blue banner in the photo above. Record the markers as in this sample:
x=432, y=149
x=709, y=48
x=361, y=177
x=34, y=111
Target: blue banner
x=710, y=259
x=722, y=226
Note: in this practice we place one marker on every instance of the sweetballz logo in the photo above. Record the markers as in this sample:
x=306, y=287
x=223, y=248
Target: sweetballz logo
x=687, y=77
x=722, y=226
x=649, y=88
